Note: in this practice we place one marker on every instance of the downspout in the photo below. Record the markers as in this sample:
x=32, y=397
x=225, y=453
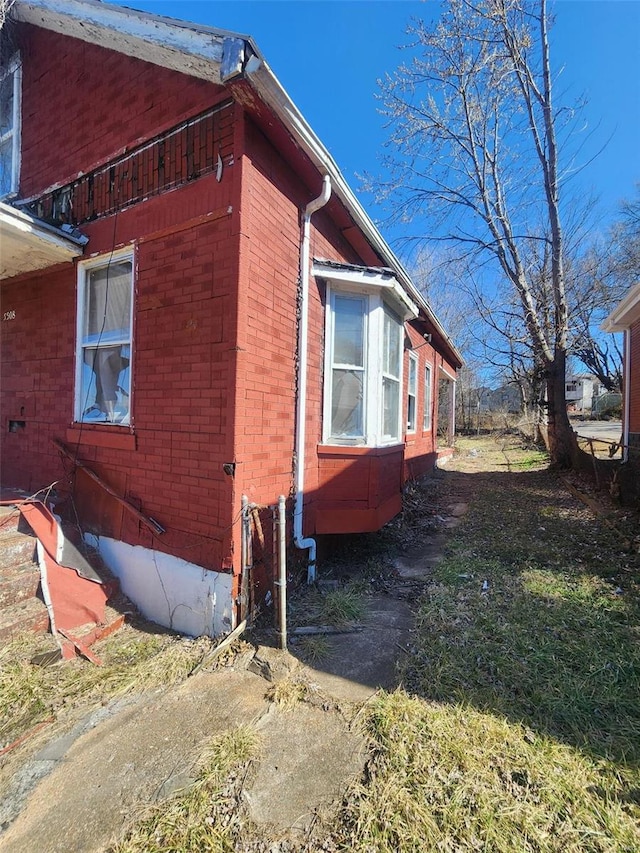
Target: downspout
x=626, y=414
x=301, y=414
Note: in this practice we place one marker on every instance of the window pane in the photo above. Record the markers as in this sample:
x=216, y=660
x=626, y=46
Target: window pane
x=390, y=404
x=426, y=425
x=6, y=105
x=411, y=413
x=413, y=369
x=108, y=303
x=106, y=384
x=348, y=335
x=105, y=349
x=6, y=163
x=391, y=344
x=347, y=404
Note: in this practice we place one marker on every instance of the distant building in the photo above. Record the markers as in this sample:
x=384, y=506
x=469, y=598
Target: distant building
x=580, y=390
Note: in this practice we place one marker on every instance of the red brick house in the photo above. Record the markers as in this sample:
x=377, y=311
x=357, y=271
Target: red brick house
x=626, y=318
x=195, y=308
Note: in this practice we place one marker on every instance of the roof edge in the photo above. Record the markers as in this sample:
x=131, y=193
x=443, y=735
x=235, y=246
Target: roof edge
x=625, y=313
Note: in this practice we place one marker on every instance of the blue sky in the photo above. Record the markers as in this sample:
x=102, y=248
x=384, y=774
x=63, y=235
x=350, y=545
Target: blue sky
x=328, y=55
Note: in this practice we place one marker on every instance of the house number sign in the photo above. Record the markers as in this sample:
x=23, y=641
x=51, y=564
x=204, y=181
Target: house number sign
x=9, y=315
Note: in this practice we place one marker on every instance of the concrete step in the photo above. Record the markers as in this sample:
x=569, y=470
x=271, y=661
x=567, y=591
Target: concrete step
x=18, y=583
x=16, y=549
x=9, y=519
x=30, y=615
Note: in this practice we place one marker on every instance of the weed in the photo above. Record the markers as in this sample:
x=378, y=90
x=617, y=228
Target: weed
x=315, y=649
x=341, y=606
x=287, y=693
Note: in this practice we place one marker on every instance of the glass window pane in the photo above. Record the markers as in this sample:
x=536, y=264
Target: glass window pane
x=413, y=369
x=6, y=105
x=426, y=424
x=6, y=166
x=390, y=407
x=411, y=413
x=347, y=404
x=391, y=344
x=348, y=334
x=105, y=384
x=108, y=303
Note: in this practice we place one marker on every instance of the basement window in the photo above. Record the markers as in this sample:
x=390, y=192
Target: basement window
x=10, y=89
x=103, y=358
x=363, y=359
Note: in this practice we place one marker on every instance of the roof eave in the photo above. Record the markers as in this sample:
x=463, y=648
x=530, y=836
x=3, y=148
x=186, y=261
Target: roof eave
x=270, y=90
x=625, y=314
x=28, y=244
x=195, y=51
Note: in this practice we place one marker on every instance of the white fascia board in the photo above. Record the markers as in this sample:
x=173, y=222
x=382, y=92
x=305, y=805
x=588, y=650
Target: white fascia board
x=625, y=313
x=164, y=42
x=369, y=278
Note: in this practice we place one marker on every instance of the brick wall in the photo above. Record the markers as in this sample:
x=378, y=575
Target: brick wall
x=169, y=461
x=99, y=103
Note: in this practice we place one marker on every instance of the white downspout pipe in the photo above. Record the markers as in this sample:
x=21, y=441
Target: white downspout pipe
x=301, y=414
x=626, y=414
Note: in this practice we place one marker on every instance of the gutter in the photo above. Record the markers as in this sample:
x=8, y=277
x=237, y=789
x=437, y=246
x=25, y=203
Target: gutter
x=301, y=407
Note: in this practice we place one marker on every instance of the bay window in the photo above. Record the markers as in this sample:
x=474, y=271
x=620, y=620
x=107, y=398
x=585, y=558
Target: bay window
x=363, y=356
x=103, y=358
x=10, y=92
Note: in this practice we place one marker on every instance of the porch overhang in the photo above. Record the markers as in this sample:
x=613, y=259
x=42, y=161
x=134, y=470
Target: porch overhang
x=28, y=244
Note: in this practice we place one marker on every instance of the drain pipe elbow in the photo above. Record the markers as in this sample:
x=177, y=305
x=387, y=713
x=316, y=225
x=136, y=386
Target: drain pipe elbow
x=303, y=333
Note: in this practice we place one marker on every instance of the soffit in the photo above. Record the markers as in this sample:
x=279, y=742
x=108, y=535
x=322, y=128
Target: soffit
x=28, y=244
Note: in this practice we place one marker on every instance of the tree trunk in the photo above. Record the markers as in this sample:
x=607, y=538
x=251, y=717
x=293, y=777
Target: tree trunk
x=562, y=440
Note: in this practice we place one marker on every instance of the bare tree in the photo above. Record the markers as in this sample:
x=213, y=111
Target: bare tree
x=476, y=139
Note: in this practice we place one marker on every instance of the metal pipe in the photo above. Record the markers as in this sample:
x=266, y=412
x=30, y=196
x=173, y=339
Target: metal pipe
x=244, y=558
x=301, y=413
x=281, y=583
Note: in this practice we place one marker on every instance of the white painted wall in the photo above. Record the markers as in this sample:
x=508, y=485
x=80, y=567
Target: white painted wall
x=169, y=591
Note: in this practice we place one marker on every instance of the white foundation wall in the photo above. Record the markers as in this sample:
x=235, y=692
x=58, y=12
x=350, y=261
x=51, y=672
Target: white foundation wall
x=171, y=592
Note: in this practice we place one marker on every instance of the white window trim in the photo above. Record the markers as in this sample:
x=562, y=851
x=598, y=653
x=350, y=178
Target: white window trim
x=14, y=69
x=427, y=415
x=85, y=267
x=413, y=359
x=372, y=392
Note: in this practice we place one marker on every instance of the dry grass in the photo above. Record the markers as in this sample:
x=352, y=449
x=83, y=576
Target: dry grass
x=134, y=660
x=288, y=692
x=519, y=726
x=205, y=817
x=452, y=778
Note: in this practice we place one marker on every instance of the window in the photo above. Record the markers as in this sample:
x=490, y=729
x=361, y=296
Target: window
x=412, y=390
x=364, y=370
x=103, y=368
x=10, y=85
x=426, y=418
